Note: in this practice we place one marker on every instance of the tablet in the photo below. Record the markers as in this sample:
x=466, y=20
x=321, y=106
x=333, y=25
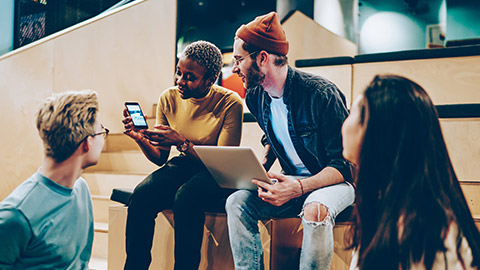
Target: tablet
x=232, y=166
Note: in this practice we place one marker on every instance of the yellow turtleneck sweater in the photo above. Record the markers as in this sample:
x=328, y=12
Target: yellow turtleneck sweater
x=215, y=119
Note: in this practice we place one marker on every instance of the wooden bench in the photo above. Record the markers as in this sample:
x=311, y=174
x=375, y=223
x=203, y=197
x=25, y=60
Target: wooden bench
x=281, y=239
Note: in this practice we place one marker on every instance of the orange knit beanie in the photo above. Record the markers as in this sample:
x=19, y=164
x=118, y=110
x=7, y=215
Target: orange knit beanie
x=265, y=32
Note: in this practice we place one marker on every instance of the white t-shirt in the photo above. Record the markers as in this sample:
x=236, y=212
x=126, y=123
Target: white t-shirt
x=280, y=128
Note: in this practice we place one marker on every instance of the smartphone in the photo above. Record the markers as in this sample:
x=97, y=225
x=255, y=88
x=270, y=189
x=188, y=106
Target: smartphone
x=136, y=113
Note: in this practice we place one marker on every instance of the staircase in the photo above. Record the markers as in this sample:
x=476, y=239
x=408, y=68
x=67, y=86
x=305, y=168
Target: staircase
x=471, y=190
x=122, y=165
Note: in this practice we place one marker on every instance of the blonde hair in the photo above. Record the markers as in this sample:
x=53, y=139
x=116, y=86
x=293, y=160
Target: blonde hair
x=66, y=119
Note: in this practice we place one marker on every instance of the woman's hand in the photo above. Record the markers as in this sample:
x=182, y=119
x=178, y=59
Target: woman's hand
x=130, y=130
x=164, y=136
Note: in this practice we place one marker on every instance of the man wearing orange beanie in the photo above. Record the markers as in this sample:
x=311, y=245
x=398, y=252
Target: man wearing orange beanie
x=301, y=115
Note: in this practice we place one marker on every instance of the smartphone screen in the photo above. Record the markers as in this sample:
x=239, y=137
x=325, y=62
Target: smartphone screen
x=136, y=113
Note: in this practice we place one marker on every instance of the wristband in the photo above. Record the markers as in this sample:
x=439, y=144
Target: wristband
x=301, y=186
x=183, y=146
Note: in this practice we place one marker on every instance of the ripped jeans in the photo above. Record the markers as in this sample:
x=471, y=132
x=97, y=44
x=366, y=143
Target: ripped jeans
x=245, y=209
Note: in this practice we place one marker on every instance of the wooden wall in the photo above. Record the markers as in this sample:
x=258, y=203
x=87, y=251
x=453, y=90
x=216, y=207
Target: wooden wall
x=451, y=80
x=128, y=54
x=454, y=80
x=341, y=75
x=308, y=39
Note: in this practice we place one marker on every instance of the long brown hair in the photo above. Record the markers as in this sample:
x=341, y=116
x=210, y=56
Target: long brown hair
x=407, y=193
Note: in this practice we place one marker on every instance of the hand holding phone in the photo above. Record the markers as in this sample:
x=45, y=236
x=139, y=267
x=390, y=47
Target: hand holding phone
x=138, y=119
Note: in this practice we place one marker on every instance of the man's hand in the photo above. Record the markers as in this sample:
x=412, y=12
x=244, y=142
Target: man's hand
x=164, y=136
x=285, y=189
x=130, y=130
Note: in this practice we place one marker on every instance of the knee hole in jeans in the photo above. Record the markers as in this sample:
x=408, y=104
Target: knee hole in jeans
x=315, y=212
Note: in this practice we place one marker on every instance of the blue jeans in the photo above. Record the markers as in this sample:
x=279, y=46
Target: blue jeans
x=245, y=209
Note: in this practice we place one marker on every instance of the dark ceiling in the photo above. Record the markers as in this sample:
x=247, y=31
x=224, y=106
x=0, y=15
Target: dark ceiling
x=217, y=20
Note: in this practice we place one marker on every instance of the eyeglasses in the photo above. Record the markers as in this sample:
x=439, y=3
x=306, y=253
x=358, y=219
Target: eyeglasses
x=236, y=61
x=104, y=132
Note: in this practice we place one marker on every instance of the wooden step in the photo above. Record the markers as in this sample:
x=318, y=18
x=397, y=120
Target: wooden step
x=98, y=263
x=462, y=137
x=119, y=142
x=102, y=183
x=130, y=161
x=101, y=227
x=100, y=240
x=477, y=221
x=471, y=191
x=215, y=241
x=216, y=253
x=100, y=207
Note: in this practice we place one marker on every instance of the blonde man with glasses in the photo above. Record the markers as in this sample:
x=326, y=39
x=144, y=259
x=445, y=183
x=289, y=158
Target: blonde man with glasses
x=47, y=221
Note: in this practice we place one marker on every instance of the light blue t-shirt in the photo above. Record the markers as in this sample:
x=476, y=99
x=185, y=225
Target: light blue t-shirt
x=280, y=128
x=44, y=225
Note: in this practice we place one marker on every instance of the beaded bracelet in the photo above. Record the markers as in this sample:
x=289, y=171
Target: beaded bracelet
x=301, y=186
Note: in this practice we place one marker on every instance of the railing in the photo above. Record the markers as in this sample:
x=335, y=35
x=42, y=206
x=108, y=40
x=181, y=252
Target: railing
x=458, y=111
x=460, y=51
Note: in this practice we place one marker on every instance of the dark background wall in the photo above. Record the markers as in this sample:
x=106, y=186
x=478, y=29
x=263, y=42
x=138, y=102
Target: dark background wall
x=463, y=19
x=216, y=20
x=305, y=6
x=374, y=25
x=397, y=24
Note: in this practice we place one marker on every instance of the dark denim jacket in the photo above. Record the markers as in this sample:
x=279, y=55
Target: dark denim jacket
x=316, y=111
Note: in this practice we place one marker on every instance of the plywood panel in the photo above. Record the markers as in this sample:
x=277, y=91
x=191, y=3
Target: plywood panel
x=447, y=80
x=251, y=136
x=341, y=75
x=341, y=256
x=129, y=55
x=286, y=243
x=216, y=252
x=462, y=137
x=162, y=244
x=25, y=79
x=308, y=39
x=471, y=190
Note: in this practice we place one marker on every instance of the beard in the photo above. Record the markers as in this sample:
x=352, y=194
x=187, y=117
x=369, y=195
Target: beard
x=254, y=76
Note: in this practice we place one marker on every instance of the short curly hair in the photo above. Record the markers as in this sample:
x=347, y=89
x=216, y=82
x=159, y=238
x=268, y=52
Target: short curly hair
x=206, y=55
x=64, y=120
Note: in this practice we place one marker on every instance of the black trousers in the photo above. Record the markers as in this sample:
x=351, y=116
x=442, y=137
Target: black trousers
x=186, y=187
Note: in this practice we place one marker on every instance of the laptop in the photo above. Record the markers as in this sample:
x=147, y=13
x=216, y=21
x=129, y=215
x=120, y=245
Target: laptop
x=232, y=167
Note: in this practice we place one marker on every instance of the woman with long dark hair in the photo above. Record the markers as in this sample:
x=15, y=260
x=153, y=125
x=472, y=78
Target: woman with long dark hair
x=410, y=210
